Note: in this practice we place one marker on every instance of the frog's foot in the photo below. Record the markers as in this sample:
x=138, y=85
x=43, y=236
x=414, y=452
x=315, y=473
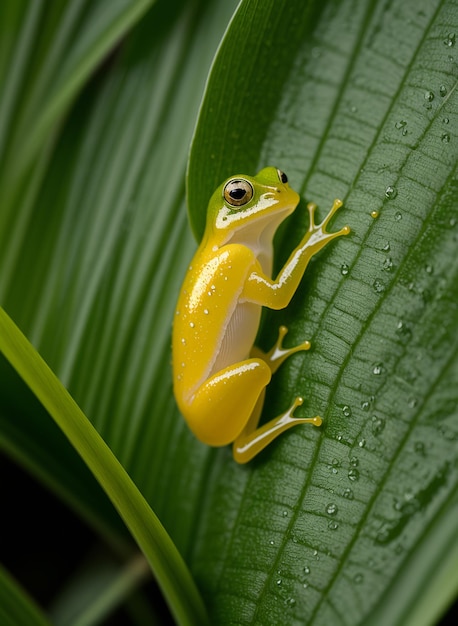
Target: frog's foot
x=289, y=417
x=250, y=442
x=321, y=228
x=277, y=354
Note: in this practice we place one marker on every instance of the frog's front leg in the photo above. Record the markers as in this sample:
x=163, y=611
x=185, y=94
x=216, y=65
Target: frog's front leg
x=276, y=294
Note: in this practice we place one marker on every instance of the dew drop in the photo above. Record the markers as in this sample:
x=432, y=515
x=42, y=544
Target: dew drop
x=412, y=402
x=410, y=505
x=191, y=324
x=279, y=582
x=378, y=286
x=400, y=125
x=331, y=509
x=390, y=192
x=398, y=216
x=333, y=525
x=290, y=602
x=378, y=369
x=354, y=461
x=353, y=474
x=445, y=120
x=388, y=264
x=449, y=41
x=429, y=96
x=445, y=138
x=206, y=311
x=344, y=269
x=346, y=410
x=403, y=331
x=306, y=570
x=348, y=493
x=362, y=443
x=442, y=91
x=378, y=424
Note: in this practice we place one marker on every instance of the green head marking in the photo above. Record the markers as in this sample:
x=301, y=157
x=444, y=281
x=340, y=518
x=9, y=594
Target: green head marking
x=244, y=200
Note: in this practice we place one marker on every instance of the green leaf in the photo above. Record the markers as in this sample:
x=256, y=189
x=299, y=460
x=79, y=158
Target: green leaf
x=96, y=588
x=103, y=241
x=332, y=525
x=16, y=608
x=328, y=526
x=90, y=246
x=162, y=555
x=56, y=49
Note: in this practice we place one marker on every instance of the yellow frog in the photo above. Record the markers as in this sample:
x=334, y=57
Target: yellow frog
x=219, y=376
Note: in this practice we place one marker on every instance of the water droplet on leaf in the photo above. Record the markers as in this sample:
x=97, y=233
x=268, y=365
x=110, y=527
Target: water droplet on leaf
x=449, y=41
x=353, y=474
x=331, y=509
x=390, y=192
x=378, y=424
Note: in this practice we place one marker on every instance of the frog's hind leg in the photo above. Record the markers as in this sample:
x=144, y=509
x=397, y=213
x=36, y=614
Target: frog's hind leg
x=252, y=440
x=222, y=407
x=277, y=354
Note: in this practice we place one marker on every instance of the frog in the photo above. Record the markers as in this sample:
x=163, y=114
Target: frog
x=219, y=375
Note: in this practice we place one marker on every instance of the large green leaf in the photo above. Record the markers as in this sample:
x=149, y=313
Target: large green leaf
x=162, y=555
x=329, y=525
x=91, y=279
x=353, y=100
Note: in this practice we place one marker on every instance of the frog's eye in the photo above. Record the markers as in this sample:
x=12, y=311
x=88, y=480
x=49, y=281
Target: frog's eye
x=238, y=192
x=282, y=176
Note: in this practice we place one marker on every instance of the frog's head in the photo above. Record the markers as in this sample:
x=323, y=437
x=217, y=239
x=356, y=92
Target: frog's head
x=245, y=209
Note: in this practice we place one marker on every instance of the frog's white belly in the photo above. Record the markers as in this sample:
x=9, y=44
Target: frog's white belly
x=239, y=336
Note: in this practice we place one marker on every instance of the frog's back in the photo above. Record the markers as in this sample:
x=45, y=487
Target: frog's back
x=212, y=328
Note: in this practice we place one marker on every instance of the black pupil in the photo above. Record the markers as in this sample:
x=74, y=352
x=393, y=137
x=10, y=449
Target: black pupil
x=284, y=177
x=238, y=193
